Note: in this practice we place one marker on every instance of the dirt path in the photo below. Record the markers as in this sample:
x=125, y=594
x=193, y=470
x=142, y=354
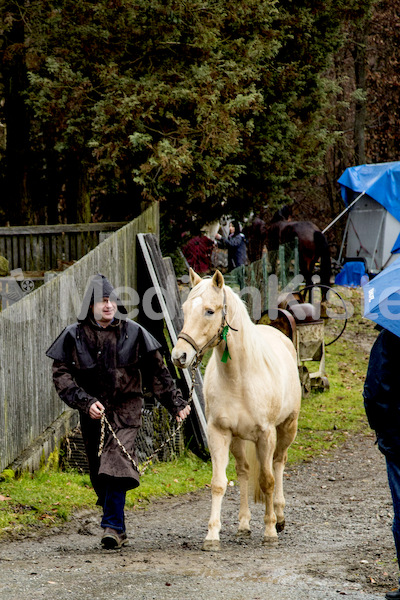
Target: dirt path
x=337, y=542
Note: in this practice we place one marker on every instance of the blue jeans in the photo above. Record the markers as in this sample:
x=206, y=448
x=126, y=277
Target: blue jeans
x=393, y=471
x=113, y=509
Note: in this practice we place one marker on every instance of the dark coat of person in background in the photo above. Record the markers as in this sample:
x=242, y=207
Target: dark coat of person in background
x=382, y=406
x=103, y=362
x=236, y=245
x=382, y=393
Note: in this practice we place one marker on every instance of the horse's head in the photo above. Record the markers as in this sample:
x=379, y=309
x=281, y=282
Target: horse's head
x=204, y=318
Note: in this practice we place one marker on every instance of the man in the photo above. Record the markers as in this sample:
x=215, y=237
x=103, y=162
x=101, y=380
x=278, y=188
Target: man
x=382, y=406
x=100, y=364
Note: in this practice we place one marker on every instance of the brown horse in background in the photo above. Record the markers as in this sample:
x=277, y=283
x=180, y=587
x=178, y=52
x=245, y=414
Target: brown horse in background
x=313, y=245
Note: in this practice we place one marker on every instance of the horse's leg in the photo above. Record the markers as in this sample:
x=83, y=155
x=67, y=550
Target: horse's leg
x=305, y=268
x=286, y=432
x=238, y=449
x=265, y=450
x=218, y=442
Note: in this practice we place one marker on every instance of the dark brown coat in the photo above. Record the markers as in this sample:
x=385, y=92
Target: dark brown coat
x=112, y=365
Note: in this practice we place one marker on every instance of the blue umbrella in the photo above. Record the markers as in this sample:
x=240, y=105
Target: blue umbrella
x=382, y=298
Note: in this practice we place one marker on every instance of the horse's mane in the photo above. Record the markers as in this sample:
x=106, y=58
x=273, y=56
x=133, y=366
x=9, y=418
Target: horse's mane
x=254, y=344
x=198, y=289
x=239, y=312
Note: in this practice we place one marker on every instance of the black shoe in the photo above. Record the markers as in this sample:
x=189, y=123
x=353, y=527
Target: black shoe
x=393, y=595
x=112, y=539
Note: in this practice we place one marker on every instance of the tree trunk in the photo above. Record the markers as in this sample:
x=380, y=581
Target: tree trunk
x=78, y=196
x=17, y=194
x=83, y=210
x=360, y=68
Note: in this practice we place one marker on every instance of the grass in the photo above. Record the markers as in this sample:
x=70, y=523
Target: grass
x=50, y=496
x=43, y=499
x=327, y=418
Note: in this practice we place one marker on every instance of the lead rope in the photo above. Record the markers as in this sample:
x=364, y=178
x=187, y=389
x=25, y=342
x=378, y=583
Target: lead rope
x=146, y=463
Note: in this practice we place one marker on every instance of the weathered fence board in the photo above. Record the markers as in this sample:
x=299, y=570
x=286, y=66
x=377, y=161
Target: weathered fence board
x=162, y=278
x=28, y=401
x=38, y=248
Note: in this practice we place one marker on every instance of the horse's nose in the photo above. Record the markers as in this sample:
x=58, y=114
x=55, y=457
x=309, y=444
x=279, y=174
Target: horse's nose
x=179, y=358
x=182, y=358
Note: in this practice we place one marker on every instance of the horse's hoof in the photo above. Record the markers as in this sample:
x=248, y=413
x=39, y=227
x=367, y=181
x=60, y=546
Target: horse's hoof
x=280, y=526
x=243, y=533
x=211, y=546
x=270, y=541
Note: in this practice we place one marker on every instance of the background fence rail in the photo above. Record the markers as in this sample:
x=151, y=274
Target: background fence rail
x=39, y=248
x=29, y=404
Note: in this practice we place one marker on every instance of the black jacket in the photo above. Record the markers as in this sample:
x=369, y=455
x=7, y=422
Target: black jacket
x=382, y=393
x=112, y=365
x=236, y=245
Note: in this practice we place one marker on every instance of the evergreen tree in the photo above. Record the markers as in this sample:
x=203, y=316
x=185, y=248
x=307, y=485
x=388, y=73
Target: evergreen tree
x=207, y=106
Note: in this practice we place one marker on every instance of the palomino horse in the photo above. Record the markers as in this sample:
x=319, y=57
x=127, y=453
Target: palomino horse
x=252, y=392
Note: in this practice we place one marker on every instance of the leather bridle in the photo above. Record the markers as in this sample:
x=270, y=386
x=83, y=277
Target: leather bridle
x=218, y=336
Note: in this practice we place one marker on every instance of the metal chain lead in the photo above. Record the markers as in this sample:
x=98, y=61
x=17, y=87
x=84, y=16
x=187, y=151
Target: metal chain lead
x=146, y=463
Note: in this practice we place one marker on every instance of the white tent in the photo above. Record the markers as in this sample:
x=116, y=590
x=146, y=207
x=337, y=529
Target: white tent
x=373, y=224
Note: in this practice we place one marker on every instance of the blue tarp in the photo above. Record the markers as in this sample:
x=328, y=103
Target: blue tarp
x=382, y=298
x=396, y=246
x=351, y=274
x=381, y=182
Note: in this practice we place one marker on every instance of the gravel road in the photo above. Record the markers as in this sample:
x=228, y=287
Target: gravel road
x=337, y=542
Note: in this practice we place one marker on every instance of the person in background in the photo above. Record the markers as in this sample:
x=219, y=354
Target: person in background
x=236, y=245
x=100, y=364
x=382, y=406
x=197, y=252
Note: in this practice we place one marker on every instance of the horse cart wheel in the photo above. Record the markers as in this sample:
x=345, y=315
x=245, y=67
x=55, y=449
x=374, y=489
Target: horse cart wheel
x=305, y=381
x=341, y=319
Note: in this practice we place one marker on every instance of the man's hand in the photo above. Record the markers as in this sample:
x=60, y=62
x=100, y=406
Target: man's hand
x=181, y=416
x=95, y=410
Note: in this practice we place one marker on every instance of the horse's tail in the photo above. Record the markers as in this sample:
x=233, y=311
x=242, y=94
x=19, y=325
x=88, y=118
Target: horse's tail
x=254, y=473
x=322, y=250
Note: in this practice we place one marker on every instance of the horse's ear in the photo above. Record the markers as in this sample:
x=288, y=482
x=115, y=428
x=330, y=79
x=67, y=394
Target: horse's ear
x=218, y=279
x=194, y=278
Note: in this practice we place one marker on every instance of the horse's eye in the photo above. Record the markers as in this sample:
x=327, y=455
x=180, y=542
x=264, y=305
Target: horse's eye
x=209, y=311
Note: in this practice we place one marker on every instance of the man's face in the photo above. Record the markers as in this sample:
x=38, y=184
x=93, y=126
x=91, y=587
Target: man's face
x=104, y=311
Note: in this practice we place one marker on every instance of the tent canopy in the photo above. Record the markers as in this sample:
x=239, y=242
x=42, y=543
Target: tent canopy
x=396, y=246
x=381, y=182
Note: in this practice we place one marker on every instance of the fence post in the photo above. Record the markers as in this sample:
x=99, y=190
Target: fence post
x=264, y=282
x=282, y=266
x=296, y=256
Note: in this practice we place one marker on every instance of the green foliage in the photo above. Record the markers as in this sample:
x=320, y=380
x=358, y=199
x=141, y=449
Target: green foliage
x=191, y=104
x=7, y=475
x=53, y=461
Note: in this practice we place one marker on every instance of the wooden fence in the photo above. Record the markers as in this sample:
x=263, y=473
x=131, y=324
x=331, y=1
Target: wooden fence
x=40, y=248
x=29, y=404
x=284, y=263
